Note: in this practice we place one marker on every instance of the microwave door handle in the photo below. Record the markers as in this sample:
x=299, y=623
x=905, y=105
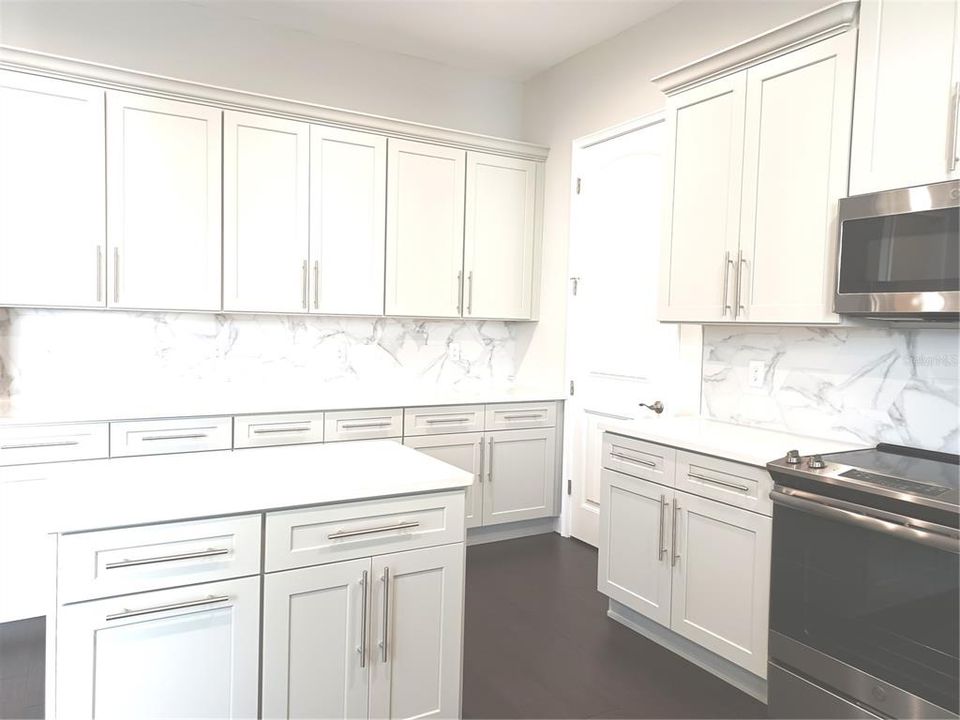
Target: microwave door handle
x=883, y=521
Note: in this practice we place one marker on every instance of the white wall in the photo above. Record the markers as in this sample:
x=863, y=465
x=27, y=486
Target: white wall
x=209, y=45
x=606, y=85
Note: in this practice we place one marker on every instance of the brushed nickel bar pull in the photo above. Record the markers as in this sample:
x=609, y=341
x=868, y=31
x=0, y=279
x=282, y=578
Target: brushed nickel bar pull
x=741, y=264
x=673, y=536
x=363, y=620
x=524, y=416
x=189, y=436
x=212, y=552
x=460, y=292
x=627, y=458
x=116, y=275
x=726, y=282
x=470, y=293
x=304, y=282
x=661, y=550
x=99, y=273
x=955, y=145
x=370, y=531
x=211, y=600
x=490, y=461
x=385, y=579
x=356, y=425
x=33, y=445
x=436, y=421
x=482, y=461
x=268, y=431
x=316, y=284
x=723, y=483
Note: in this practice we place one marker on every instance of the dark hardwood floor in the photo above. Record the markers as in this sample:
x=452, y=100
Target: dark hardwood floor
x=538, y=644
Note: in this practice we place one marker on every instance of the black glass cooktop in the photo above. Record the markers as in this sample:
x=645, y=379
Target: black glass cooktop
x=917, y=471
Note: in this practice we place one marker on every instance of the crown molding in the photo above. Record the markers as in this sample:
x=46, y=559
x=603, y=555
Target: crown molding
x=820, y=25
x=114, y=78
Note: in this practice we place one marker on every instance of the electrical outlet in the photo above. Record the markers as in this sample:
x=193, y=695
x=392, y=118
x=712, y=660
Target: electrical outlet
x=453, y=352
x=758, y=372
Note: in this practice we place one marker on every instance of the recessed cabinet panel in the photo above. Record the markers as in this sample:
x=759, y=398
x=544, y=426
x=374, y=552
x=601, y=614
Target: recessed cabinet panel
x=500, y=236
x=266, y=211
x=52, y=202
x=796, y=164
x=348, y=195
x=425, y=212
x=464, y=451
x=163, y=203
x=702, y=190
x=521, y=470
x=908, y=68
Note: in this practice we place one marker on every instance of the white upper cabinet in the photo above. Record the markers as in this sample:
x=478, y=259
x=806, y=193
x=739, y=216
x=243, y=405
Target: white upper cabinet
x=704, y=169
x=348, y=195
x=266, y=175
x=163, y=203
x=425, y=213
x=796, y=159
x=908, y=89
x=500, y=242
x=52, y=232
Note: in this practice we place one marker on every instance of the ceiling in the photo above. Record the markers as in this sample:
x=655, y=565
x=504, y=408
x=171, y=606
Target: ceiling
x=514, y=39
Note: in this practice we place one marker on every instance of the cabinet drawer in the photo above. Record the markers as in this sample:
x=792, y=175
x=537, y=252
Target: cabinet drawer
x=299, y=538
x=729, y=482
x=104, y=563
x=639, y=459
x=287, y=429
x=515, y=416
x=363, y=424
x=440, y=420
x=53, y=443
x=159, y=437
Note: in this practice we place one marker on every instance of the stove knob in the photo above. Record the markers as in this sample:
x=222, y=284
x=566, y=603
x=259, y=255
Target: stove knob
x=816, y=463
x=793, y=457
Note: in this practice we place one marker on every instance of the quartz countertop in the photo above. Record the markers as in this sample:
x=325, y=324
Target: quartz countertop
x=753, y=446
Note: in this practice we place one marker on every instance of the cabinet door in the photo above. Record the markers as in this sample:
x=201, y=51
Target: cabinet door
x=417, y=633
x=52, y=204
x=124, y=657
x=348, y=195
x=799, y=109
x=500, y=237
x=634, y=560
x=465, y=451
x=425, y=200
x=905, y=112
x=316, y=656
x=266, y=166
x=521, y=470
x=721, y=580
x=163, y=203
x=704, y=168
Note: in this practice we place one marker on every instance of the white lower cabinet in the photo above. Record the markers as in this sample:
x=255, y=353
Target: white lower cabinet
x=521, y=471
x=378, y=637
x=465, y=451
x=188, y=652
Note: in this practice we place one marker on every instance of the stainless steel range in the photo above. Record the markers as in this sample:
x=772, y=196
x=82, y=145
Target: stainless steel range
x=864, y=603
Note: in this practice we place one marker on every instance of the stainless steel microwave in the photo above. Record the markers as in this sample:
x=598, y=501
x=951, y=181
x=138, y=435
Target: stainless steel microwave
x=899, y=253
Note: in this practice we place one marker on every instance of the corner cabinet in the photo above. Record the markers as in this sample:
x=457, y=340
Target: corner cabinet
x=906, y=120
x=757, y=161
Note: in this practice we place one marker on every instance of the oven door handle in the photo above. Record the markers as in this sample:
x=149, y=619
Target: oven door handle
x=940, y=537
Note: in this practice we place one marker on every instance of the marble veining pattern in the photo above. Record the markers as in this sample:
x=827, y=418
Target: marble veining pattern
x=859, y=383
x=76, y=353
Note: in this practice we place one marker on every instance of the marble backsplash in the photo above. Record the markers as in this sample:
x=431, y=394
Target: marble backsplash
x=47, y=353
x=860, y=383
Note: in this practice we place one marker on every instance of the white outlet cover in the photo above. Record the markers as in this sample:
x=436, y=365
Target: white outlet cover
x=453, y=351
x=758, y=371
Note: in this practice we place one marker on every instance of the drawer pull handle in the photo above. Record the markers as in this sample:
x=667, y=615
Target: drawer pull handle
x=435, y=421
x=267, y=431
x=722, y=483
x=31, y=446
x=212, y=552
x=525, y=416
x=638, y=461
x=370, y=531
x=357, y=425
x=189, y=436
x=210, y=600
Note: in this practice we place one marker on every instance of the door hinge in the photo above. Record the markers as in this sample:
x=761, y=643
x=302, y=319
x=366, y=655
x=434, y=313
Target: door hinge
x=575, y=285
x=569, y=486
x=578, y=185
x=571, y=387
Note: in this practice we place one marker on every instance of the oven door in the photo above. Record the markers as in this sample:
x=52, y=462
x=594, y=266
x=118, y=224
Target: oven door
x=864, y=606
x=899, y=252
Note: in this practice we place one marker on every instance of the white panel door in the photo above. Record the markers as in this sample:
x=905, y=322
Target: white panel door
x=721, y=580
x=316, y=657
x=521, y=475
x=52, y=202
x=417, y=633
x=634, y=559
x=185, y=653
x=796, y=160
x=704, y=153
x=348, y=196
x=500, y=237
x=163, y=203
x=905, y=120
x=266, y=176
x=465, y=451
x=425, y=206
